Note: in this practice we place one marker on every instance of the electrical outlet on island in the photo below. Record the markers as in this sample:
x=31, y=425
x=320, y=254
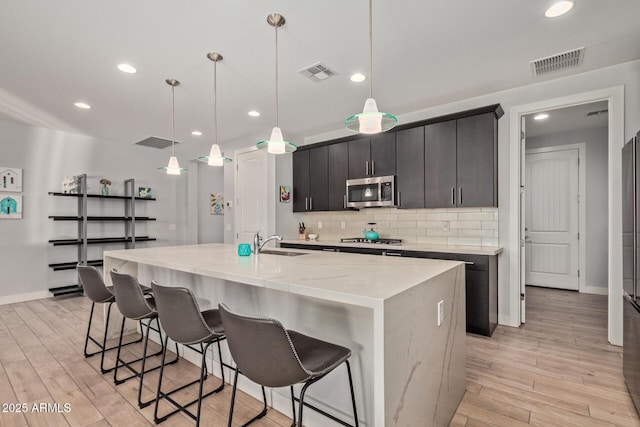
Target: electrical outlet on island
x=319, y=225
x=440, y=312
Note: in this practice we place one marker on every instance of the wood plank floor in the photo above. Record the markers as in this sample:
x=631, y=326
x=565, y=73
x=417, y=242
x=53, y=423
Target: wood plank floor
x=557, y=370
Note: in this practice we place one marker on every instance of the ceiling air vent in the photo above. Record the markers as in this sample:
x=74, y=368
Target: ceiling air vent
x=556, y=63
x=596, y=112
x=155, y=142
x=317, y=72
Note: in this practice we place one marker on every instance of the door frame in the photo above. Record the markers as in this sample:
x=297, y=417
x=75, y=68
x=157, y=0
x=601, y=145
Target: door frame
x=582, y=196
x=615, y=98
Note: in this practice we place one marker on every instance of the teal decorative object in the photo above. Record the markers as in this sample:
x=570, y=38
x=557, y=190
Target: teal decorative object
x=244, y=249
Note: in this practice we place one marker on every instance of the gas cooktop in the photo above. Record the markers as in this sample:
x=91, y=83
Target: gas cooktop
x=363, y=240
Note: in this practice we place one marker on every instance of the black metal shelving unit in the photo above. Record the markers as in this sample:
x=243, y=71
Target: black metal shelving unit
x=82, y=241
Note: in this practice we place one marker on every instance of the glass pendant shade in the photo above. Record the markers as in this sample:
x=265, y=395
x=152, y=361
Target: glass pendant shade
x=371, y=120
x=276, y=143
x=173, y=168
x=215, y=157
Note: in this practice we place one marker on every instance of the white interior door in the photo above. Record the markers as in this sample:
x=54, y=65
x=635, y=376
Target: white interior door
x=251, y=194
x=552, y=219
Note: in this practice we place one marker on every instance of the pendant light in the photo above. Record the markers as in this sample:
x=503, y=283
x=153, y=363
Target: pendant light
x=371, y=120
x=215, y=157
x=173, y=168
x=276, y=143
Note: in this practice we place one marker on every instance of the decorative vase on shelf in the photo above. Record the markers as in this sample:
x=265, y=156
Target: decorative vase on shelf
x=105, y=190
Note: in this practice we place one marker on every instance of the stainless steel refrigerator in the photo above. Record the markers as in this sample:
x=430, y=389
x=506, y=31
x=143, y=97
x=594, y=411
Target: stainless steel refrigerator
x=631, y=267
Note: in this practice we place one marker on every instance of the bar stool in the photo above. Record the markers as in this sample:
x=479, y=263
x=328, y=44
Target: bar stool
x=184, y=323
x=272, y=356
x=133, y=304
x=94, y=288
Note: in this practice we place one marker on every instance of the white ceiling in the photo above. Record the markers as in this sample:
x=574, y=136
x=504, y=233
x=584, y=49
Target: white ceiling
x=426, y=53
x=568, y=119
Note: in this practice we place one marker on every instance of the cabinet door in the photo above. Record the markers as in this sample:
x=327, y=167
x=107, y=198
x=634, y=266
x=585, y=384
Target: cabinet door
x=300, y=180
x=383, y=154
x=440, y=165
x=477, y=157
x=477, y=306
x=338, y=174
x=319, y=179
x=359, y=155
x=410, y=164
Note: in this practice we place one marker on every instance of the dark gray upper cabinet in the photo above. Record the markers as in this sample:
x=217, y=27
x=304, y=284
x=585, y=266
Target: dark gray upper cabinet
x=477, y=161
x=301, y=180
x=372, y=156
x=311, y=180
x=359, y=154
x=383, y=154
x=440, y=165
x=338, y=174
x=319, y=179
x=410, y=168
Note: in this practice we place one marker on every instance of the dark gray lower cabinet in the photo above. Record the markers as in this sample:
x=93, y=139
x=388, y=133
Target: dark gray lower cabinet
x=481, y=279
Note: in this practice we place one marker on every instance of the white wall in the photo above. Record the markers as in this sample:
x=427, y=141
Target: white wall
x=46, y=156
x=597, y=215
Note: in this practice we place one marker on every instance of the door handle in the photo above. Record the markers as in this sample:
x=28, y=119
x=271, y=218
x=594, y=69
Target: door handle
x=373, y=167
x=366, y=168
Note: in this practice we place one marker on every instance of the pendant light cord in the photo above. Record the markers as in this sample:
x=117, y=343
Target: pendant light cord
x=215, y=102
x=277, y=112
x=173, y=120
x=370, y=50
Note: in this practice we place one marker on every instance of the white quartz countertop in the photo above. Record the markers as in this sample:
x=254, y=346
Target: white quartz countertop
x=365, y=280
x=418, y=247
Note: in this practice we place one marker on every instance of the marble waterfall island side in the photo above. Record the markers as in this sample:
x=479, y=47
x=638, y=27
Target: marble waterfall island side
x=408, y=371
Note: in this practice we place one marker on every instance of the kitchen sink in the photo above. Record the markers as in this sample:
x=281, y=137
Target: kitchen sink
x=283, y=253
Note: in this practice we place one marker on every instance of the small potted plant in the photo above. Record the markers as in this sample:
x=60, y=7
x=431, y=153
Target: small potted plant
x=105, y=186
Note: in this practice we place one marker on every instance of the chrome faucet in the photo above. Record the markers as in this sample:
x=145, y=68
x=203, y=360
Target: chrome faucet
x=258, y=243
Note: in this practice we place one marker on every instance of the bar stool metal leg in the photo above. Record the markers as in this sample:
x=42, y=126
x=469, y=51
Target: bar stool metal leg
x=233, y=399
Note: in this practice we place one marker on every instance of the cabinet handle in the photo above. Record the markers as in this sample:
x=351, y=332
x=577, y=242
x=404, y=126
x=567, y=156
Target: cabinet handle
x=460, y=195
x=392, y=253
x=399, y=204
x=453, y=196
x=373, y=167
x=329, y=249
x=366, y=168
x=345, y=202
x=310, y=203
x=469, y=263
x=306, y=203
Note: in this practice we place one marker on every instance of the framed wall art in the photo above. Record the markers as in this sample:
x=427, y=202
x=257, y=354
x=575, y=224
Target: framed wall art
x=10, y=206
x=217, y=204
x=10, y=179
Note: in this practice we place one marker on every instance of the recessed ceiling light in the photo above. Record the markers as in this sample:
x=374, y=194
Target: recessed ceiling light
x=254, y=113
x=358, y=77
x=126, y=68
x=83, y=105
x=541, y=116
x=558, y=9
x=196, y=133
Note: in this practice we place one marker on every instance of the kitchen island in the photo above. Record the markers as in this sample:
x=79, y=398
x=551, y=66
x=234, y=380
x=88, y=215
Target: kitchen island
x=407, y=370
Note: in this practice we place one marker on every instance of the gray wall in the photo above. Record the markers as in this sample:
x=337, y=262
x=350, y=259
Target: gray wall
x=596, y=197
x=46, y=156
x=210, y=227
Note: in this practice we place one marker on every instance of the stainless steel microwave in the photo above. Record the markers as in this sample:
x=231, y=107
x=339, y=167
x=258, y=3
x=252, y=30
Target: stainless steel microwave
x=371, y=192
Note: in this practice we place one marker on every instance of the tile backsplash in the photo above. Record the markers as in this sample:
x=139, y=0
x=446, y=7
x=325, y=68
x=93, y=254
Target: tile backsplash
x=456, y=226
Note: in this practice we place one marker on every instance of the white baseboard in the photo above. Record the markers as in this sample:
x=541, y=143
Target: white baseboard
x=12, y=299
x=596, y=290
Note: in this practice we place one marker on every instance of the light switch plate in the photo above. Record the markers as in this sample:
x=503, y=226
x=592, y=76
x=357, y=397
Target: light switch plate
x=343, y=224
x=172, y=227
